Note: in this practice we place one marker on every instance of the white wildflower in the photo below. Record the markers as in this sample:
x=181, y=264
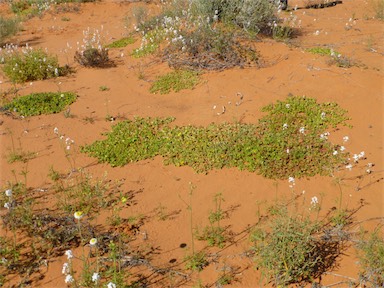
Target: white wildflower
x=65, y=269
x=95, y=277
x=349, y=167
x=8, y=192
x=56, y=131
x=69, y=254
x=7, y=205
x=302, y=130
x=78, y=215
x=285, y=126
x=111, y=285
x=345, y=138
x=93, y=241
x=69, y=279
x=314, y=200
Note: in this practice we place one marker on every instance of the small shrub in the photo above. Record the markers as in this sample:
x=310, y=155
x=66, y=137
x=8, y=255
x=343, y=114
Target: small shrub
x=371, y=258
x=31, y=65
x=251, y=16
x=41, y=103
x=92, y=53
x=20, y=6
x=8, y=27
x=92, y=57
x=282, y=32
x=378, y=7
x=176, y=81
x=291, y=248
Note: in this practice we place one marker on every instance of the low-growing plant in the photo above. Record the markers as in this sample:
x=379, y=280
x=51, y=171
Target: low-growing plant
x=150, y=43
x=176, y=81
x=121, y=43
x=103, y=88
x=8, y=28
x=324, y=51
x=335, y=57
x=31, y=64
x=20, y=156
x=196, y=262
x=371, y=258
x=41, y=103
x=290, y=141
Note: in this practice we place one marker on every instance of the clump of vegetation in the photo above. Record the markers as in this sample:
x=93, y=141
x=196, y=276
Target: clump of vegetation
x=211, y=35
x=292, y=247
x=8, y=28
x=371, y=258
x=214, y=234
x=92, y=57
x=335, y=57
x=121, y=43
x=176, y=81
x=150, y=43
x=41, y=103
x=30, y=65
x=92, y=53
x=196, y=262
x=378, y=7
x=132, y=141
x=323, y=51
x=291, y=140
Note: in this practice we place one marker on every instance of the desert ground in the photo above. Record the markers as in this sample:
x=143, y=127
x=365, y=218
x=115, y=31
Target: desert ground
x=155, y=207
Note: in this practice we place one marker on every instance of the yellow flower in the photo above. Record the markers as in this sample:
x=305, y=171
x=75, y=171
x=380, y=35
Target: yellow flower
x=123, y=200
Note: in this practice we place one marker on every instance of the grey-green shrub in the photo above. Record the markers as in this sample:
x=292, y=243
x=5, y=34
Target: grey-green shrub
x=371, y=258
x=8, y=27
x=251, y=15
x=31, y=65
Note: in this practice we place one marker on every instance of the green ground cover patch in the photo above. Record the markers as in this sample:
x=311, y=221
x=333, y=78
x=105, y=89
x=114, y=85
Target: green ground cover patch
x=290, y=140
x=41, y=103
x=121, y=43
x=176, y=81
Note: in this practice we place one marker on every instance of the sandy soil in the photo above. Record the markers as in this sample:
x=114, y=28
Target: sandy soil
x=348, y=27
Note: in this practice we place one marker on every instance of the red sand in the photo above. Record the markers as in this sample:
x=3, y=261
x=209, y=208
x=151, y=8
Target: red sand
x=288, y=69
